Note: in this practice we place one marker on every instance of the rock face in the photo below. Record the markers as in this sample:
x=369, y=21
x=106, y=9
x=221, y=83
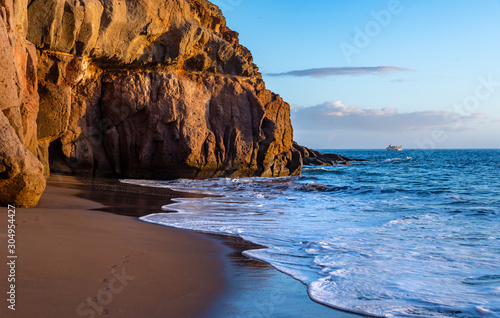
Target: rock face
x=172, y=34
x=139, y=89
x=21, y=174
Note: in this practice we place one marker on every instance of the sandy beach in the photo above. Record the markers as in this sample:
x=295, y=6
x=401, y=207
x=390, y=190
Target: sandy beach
x=76, y=262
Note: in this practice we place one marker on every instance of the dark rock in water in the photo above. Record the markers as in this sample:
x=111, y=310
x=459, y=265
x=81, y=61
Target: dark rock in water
x=315, y=158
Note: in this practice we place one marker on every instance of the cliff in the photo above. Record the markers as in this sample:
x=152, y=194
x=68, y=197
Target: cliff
x=132, y=89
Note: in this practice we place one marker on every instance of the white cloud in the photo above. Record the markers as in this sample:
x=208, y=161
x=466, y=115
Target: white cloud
x=337, y=71
x=334, y=115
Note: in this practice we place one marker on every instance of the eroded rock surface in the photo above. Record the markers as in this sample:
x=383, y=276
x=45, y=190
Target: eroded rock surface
x=176, y=34
x=21, y=174
x=138, y=89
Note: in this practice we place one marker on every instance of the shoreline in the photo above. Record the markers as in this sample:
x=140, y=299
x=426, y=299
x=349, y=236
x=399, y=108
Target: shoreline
x=258, y=290
x=272, y=293
x=228, y=284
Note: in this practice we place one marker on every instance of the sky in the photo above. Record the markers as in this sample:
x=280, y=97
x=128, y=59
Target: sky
x=363, y=74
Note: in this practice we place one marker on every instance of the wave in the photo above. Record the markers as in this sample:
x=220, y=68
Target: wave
x=247, y=186
x=320, y=170
x=397, y=160
x=483, y=280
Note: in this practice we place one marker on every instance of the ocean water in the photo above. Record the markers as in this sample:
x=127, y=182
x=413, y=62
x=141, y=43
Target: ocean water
x=412, y=233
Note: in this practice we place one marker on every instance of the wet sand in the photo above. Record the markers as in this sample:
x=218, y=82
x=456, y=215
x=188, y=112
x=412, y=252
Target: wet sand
x=257, y=290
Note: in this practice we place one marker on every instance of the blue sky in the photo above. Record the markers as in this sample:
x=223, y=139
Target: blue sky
x=363, y=74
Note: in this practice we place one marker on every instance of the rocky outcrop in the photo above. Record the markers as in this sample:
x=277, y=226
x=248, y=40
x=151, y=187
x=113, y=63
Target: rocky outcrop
x=141, y=89
x=315, y=158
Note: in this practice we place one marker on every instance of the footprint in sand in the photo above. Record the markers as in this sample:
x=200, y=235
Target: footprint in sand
x=104, y=312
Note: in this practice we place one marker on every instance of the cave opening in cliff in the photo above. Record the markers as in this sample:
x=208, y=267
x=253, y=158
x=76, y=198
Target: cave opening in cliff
x=57, y=162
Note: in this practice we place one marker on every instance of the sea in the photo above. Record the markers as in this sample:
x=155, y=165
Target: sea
x=413, y=233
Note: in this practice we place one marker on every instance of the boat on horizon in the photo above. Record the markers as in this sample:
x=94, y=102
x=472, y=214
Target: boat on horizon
x=393, y=147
